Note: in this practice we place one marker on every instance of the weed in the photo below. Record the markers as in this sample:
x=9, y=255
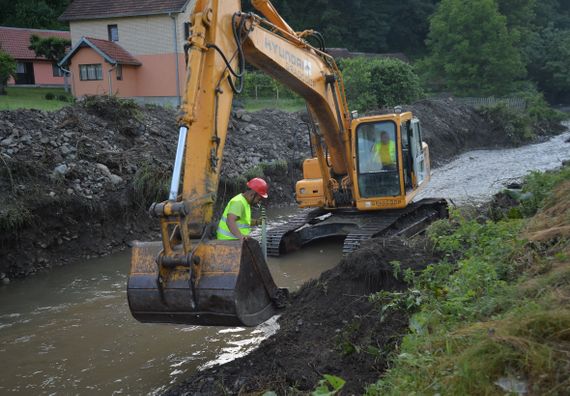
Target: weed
x=330, y=385
x=150, y=184
x=14, y=216
x=49, y=96
x=495, y=308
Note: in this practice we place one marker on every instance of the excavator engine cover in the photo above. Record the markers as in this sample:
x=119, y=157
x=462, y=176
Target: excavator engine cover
x=227, y=284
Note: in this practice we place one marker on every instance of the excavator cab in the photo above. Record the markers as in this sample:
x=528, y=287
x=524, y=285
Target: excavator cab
x=392, y=161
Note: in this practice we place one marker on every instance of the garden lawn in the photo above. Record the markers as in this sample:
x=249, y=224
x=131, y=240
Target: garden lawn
x=33, y=98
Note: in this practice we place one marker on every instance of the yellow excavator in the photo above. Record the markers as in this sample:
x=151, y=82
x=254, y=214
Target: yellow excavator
x=358, y=189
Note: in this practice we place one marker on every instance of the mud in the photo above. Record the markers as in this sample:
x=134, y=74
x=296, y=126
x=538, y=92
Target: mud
x=331, y=327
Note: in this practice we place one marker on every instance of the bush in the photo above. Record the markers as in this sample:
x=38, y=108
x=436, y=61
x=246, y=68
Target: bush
x=372, y=83
x=63, y=98
x=515, y=124
x=49, y=96
x=394, y=82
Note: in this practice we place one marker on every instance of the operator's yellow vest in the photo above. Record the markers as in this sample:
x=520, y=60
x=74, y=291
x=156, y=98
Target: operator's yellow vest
x=224, y=232
x=391, y=149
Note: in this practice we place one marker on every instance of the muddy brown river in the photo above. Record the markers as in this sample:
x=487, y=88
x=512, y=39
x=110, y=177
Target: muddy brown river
x=70, y=331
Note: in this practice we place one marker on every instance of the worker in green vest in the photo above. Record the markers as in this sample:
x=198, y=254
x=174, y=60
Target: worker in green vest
x=385, y=151
x=236, y=220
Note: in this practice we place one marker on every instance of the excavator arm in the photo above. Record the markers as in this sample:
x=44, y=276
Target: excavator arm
x=187, y=277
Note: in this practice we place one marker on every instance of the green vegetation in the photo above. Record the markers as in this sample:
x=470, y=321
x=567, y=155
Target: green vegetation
x=51, y=48
x=150, y=184
x=7, y=69
x=37, y=14
x=290, y=105
x=34, y=98
x=373, y=83
x=519, y=126
x=471, y=50
x=14, y=216
x=494, y=310
x=263, y=92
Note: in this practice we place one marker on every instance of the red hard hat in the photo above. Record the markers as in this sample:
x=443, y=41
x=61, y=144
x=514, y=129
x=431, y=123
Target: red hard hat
x=259, y=186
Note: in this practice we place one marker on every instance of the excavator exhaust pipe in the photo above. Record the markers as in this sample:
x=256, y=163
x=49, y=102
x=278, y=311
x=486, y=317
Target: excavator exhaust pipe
x=225, y=283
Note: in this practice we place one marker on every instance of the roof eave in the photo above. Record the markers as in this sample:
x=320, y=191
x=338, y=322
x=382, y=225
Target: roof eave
x=63, y=18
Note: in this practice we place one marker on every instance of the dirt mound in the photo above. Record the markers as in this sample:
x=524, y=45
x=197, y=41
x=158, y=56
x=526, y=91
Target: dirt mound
x=331, y=327
x=77, y=182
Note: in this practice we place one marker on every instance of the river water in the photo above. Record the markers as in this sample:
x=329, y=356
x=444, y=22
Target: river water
x=70, y=331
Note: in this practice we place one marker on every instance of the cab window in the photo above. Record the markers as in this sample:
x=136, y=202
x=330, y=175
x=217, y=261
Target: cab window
x=377, y=150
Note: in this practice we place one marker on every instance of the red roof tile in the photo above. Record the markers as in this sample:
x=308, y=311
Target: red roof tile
x=15, y=41
x=114, y=51
x=111, y=51
x=97, y=9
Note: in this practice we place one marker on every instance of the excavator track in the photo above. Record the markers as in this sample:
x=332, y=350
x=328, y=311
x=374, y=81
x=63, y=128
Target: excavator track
x=275, y=235
x=355, y=226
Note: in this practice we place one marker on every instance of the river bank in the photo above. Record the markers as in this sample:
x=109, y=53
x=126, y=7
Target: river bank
x=76, y=183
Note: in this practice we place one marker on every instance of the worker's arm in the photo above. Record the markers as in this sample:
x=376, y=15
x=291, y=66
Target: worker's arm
x=232, y=225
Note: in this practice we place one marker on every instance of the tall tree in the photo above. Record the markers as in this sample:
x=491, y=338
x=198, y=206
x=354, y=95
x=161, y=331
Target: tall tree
x=472, y=50
x=548, y=55
x=38, y=14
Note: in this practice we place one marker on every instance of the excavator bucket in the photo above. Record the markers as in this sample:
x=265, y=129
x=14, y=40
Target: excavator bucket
x=225, y=284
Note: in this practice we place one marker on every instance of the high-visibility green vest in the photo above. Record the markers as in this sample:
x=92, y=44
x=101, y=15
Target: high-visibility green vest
x=391, y=149
x=243, y=224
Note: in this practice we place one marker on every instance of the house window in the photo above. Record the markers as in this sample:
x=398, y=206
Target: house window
x=113, y=31
x=57, y=72
x=20, y=67
x=90, y=72
x=119, y=72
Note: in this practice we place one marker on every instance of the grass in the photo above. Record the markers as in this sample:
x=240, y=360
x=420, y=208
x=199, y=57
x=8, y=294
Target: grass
x=496, y=309
x=289, y=105
x=32, y=98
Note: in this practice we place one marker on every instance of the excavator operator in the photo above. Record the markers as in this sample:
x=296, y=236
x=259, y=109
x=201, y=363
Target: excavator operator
x=385, y=150
x=236, y=221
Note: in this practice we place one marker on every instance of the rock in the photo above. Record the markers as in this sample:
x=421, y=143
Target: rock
x=61, y=169
x=240, y=113
x=6, y=281
x=115, y=179
x=7, y=142
x=70, y=191
x=52, y=194
x=2, y=275
x=246, y=118
x=104, y=169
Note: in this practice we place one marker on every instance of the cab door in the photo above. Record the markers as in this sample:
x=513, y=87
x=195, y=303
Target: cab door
x=417, y=151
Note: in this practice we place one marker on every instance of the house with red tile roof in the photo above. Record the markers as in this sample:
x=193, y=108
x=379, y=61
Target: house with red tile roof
x=31, y=69
x=129, y=48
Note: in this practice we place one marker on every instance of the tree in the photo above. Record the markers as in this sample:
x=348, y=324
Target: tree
x=51, y=48
x=373, y=83
x=548, y=55
x=471, y=50
x=7, y=70
x=394, y=83
x=38, y=14
x=357, y=76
